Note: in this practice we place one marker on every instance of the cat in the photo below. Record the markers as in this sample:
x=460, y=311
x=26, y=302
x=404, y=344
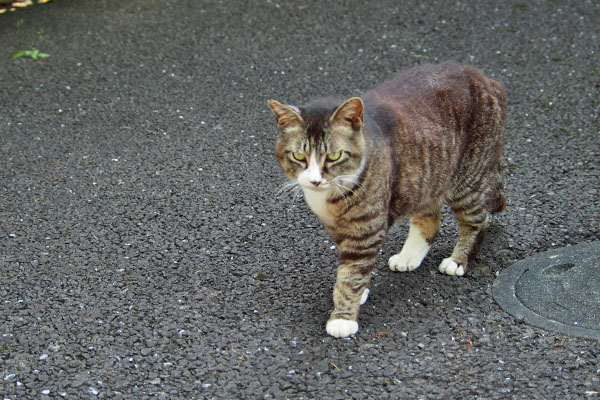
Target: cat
x=433, y=133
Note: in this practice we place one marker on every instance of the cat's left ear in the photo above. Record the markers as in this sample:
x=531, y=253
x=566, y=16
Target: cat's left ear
x=350, y=114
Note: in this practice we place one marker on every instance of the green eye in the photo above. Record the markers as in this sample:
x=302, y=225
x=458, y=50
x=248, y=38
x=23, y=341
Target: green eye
x=334, y=155
x=299, y=156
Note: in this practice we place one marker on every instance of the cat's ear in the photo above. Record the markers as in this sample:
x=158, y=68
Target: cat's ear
x=349, y=114
x=288, y=117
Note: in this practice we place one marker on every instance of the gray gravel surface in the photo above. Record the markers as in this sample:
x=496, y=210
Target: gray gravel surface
x=143, y=253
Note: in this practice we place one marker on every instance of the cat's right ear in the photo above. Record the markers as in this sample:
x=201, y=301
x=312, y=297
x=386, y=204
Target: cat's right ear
x=288, y=117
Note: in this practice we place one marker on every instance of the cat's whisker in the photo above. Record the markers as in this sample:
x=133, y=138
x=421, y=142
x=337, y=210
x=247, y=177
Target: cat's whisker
x=296, y=193
x=290, y=186
x=343, y=194
x=344, y=190
x=285, y=187
x=295, y=190
x=352, y=178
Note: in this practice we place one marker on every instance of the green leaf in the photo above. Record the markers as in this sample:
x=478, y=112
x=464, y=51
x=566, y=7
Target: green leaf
x=35, y=54
x=18, y=54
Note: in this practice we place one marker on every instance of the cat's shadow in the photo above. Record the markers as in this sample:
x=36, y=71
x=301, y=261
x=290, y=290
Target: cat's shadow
x=394, y=294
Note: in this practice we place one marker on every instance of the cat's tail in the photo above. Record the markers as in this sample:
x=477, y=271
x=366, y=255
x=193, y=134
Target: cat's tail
x=497, y=202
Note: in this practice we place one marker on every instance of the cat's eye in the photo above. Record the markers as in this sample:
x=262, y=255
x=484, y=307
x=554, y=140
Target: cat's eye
x=334, y=155
x=299, y=156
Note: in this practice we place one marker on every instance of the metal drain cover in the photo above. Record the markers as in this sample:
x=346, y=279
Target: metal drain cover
x=558, y=290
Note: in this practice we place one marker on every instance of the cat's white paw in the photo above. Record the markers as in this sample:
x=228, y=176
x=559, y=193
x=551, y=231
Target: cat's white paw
x=364, y=296
x=341, y=327
x=412, y=254
x=451, y=267
x=408, y=259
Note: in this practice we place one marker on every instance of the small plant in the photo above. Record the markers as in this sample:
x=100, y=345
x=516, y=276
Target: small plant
x=35, y=54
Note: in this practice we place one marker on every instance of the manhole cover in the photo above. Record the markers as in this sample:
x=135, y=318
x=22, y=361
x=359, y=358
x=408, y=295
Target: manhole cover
x=558, y=290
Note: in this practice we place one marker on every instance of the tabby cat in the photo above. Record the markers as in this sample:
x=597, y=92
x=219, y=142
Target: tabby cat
x=433, y=133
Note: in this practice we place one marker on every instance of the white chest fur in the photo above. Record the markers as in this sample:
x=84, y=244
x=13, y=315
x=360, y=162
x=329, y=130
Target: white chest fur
x=317, y=201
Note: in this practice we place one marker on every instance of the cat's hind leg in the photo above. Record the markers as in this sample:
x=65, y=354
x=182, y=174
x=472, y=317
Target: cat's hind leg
x=423, y=229
x=472, y=221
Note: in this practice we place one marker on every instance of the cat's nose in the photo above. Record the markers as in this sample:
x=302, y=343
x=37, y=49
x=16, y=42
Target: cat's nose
x=316, y=183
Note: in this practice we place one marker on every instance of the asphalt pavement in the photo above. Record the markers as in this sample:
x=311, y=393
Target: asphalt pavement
x=144, y=252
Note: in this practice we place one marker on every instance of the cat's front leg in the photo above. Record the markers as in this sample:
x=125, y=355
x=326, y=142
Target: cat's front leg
x=349, y=293
x=358, y=240
x=340, y=327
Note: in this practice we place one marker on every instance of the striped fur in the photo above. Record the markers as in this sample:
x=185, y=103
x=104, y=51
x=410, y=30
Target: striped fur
x=432, y=134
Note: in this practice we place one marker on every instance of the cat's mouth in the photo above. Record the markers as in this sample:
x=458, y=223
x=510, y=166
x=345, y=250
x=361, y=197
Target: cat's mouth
x=322, y=186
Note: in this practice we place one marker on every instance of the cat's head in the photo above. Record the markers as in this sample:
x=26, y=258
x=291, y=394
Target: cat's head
x=321, y=144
